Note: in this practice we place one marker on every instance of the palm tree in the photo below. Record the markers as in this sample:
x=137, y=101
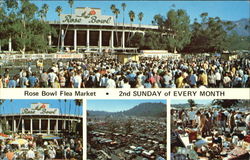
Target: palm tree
x=140, y=17
x=116, y=12
x=59, y=11
x=78, y=102
x=112, y=7
x=40, y=14
x=4, y=120
x=131, y=16
x=45, y=9
x=123, y=10
x=1, y=103
x=71, y=2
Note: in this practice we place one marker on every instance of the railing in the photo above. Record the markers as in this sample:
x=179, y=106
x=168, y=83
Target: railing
x=40, y=56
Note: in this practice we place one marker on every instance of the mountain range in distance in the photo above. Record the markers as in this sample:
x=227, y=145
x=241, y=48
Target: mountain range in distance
x=242, y=27
x=186, y=105
x=143, y=109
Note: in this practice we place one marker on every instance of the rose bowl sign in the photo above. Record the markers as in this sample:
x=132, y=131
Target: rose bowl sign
x=88, y=16
x=40, y=109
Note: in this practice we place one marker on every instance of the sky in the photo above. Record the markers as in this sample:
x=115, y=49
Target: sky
x=15, y=106
x=197, y=101
x=226, y=10
x=117, y=105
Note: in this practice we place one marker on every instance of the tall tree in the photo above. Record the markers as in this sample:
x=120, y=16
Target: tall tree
x=140, y=17
x=113, y=7
x=191, y=103
x=177, y=27
x=210, y=35
x=71, y=3
x=59, y=11
x=78, y=102
x=1, y=105
x=225, y=103
x=45, y=9
x=22, y=27
x=123, y=11
x=116, y=12
x=131, y=17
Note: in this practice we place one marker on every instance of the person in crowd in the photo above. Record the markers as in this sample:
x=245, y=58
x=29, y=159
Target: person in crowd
x=231, y=121
x=24, y=82
x=222, y=120
x=183, y=73
x=247, y=121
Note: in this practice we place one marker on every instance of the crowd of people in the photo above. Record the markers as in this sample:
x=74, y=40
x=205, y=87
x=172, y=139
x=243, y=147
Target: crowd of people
x=38, y=149
x=226, y=129
x=107, y=72
x=207, y=120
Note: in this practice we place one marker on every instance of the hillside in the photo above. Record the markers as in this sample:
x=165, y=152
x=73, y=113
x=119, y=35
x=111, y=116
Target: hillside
x=146, y=109
x=98, y=113
x=242, y=27
x=185, y=105
x=143, y=109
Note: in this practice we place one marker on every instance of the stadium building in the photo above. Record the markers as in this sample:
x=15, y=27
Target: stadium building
x=88, y=30
x=40, y=118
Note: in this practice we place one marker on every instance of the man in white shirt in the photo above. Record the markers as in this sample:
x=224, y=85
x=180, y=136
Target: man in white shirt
x=227, y=81
x=52, y=77
x=126, y=84
x=30, y=154
x=103, y=81
x=218, y=78
x=111, y=83
x=77, y=80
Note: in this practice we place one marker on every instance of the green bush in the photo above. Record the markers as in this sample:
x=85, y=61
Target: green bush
x=52, y=50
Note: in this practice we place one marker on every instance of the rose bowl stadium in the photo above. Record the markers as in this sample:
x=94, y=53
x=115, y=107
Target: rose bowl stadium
x=40, y=118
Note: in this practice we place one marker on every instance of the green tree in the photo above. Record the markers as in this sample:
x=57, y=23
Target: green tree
x=78, y=102
x=236, y=42
x=136, y=40
x=113, y=7
x=1, y=105
x=131, y=17
x=191, y=103
x=177, y=27
x=71, y=3
x=45, y=9
x=210, y=35
x=43, y=12
x=59, y=11
x=153, y=40
x=140, y=17
x=116, y=12
x=225, y=103
x=22, y=27
x=123, y=11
